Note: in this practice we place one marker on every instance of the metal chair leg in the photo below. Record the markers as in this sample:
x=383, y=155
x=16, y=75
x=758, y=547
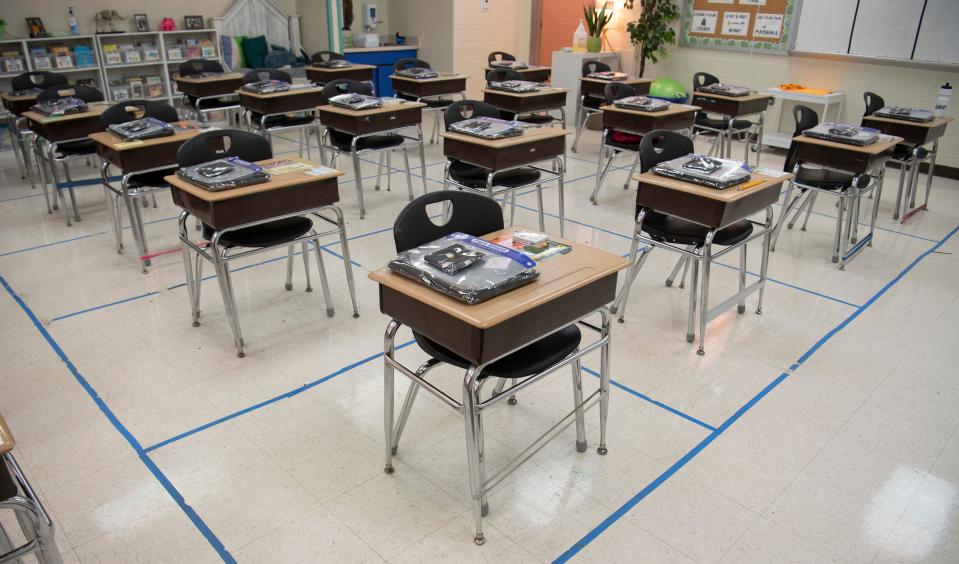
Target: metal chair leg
x=632, y=171
x=289, y=268
x=903, y=171
x=406, y=166
x=578, y=405
x=630, y=278
x=680, y=263
x=229, y=302
x=389, y=170
x=358, y=180
x=693, y=285
x=304, y=246
x=347, y=263
x=379, y=170
x=742, y=277
x=324, y=283
x=601, y=173
x=539, y=200
x=812, y=202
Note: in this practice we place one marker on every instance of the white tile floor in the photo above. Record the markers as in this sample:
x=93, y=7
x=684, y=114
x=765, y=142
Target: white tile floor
x=823, y=430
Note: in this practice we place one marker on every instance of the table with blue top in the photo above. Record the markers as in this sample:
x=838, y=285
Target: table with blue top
x=383, y=59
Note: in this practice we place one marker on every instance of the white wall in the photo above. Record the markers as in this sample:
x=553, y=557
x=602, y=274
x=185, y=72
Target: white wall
x=904, y=85
x=476, y=34
x=314, y=33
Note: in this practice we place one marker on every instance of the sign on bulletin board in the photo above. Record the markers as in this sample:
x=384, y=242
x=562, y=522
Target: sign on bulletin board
x=746, y=25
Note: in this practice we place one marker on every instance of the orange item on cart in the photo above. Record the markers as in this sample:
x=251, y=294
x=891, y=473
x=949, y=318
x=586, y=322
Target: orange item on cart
x=800, y=89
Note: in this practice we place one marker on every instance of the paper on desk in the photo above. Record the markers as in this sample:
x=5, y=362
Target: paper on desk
x=319, y=171
x=128, y=144
x=770, y=172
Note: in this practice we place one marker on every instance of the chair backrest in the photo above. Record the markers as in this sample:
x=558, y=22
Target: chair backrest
x=595, y=66
x=199, y=66
x=873, y=102
x=38, y=79
x=86, y=93
x=220, y=143
x=129, y=110
x=410, y=63
x=499, y=75
x=326, y=56
x=470, y=213
x=499, y=56
x=661, y=145
x=701, y=79
x=345, y=86
x=466, y=109
x=618, y=90
x=806, y=118
x=256, y=75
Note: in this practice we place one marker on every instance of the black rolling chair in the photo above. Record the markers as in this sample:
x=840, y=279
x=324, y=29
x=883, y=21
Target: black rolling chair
x=20, y=135
x=811, y=181
x=269, y=125
x=909, y=157
x=723, y=128
x=692, y=241
x=614, y=143
x=202, y=107
x=588, y=105
x=434, y=104
x=474, y=215
x=134, y=186
x=18, y=496
x=242, y=241
x=62, y=152
x=505, y=182
x=387, y=141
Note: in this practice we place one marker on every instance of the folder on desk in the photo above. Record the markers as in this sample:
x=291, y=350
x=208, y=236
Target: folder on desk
x=138, y=129
x=704, y=170
x=642, y=103
x=843, y=133
x=61, y=106
x=907, y=114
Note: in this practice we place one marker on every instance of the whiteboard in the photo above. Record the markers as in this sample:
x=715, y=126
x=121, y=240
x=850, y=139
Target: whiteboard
x=825, y=25
x=937, y=35
x=886, y=28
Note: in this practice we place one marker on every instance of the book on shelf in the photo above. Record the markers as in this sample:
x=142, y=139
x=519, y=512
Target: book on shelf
x=42, y=62
x=64, y=61
x=135, y=84
x=111, y=55
x=150, y=52
x=119, y=91
x=83, y=56
x=12, y=64
x=174, y=53
x=131, y=56
x=154, y=86
x=207, y=49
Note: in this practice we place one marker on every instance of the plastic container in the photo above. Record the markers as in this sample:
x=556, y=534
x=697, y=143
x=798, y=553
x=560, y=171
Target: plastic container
x=942, y=102
x=72, y=21
x=579, y=38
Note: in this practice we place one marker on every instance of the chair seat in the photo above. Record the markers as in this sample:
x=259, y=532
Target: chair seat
x=343, y=141
x=434, y=103
x=529, y=360
x=826, y=179
x=475, y=177
x=76, y=148
x=283, y=120
x=8, y=488
x=214, y=103
x=666, y=228
x=536, y=118
x=263, y=235
x=151, y=179
x=621, y=146
x=903, y=152
x=703, y=120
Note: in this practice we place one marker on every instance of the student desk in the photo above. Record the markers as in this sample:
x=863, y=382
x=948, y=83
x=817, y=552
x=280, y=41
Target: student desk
x=531, y=73
x=570, y=288
x=15, y=106
x=308, y=190
x=52, y=131
x=597, y=86
x=676, y=117
x=714, y=209
x=918, y=134
x=501, y=155
x=209, y=86
x=733, y=107
x=132, y=158
x=376, y=121
x=546, y=100
x=262, y=107
x=443, y=85
x=855, y=160
x=323, y=75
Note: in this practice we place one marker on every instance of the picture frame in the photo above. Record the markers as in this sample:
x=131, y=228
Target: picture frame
x=140, y=23
x=36, y=27
x=192, y=22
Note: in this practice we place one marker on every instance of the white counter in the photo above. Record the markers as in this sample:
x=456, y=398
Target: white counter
x=380, y=48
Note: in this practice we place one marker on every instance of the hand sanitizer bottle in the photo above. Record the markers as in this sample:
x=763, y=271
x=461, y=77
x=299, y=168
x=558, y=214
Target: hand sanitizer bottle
x=72, y=21
x=579, y=38
x=942, y=102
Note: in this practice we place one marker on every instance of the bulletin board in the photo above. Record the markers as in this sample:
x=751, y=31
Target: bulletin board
x=745, y=25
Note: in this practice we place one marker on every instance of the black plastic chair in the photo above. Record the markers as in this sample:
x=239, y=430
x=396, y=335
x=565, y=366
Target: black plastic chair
x=271, y=124
x=873, y=101
x=256, y=75
x=588, y=105
x=474, y=215
x=410, y=63
x=129, y=110
x=701, y=79
x=326, y=57
x=199, y=66
x=338, y=142
x=38, y=79
x=464, y=175
x=62, y=152
x=716, y=125
x=499, y=56
x=609, y=146
x=501, y=75
x=434, y=104
x=259, y=236
x=691, y=240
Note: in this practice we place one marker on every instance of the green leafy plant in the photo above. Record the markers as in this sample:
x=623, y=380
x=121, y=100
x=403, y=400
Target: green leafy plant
x=596, y=20
x=653, y=31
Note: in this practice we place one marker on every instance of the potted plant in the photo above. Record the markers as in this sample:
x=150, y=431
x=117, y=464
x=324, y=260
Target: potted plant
x=3, y=28
x=596, y=20
x=653, y=31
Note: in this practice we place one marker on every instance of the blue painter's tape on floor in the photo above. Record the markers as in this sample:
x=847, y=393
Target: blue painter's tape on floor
x=95, y=308
x=124, y=432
